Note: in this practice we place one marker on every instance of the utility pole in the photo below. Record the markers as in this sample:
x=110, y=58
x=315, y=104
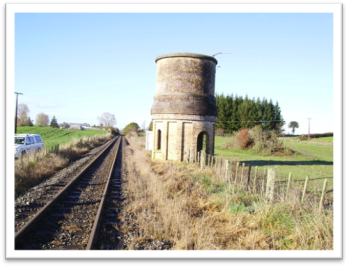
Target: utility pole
x=309, y=128
x=16, y=110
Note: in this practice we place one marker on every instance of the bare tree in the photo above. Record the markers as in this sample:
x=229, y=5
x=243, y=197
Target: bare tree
x=107, y=119
x=23, y=119
x=42, y=119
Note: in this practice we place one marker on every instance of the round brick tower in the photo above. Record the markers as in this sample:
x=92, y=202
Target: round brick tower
x=184, y=111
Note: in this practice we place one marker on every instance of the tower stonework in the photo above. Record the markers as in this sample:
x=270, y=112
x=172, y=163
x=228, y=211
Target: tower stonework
x=184, y=111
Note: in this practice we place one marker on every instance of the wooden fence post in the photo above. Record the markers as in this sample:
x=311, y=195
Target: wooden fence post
x=255, y=179
x=305, y=188
x=242, y=172
x=236, y=172
x=248, y=177
x=288, y=184
x=203, y=159
x=227, y=170
x=270, y=184
x=323, y=195
x=264, y=185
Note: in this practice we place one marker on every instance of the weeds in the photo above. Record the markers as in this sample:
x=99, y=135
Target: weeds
x=33, y=168
x=196, y=209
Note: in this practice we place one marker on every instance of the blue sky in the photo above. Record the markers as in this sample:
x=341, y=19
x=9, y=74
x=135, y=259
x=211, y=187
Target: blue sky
x=77, y=66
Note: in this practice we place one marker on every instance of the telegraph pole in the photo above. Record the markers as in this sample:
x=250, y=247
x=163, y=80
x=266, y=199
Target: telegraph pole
x=309, y=128
x=16, y=111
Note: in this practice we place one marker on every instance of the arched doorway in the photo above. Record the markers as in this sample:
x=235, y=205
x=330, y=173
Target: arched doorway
x=202, y=142
x=158, y=146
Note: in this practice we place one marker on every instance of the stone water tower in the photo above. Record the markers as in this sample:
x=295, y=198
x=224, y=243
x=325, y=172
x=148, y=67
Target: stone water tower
x=184, y=111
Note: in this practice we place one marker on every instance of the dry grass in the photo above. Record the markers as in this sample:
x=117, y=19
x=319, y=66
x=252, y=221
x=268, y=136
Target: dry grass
x=195, y=209
x=33, y=168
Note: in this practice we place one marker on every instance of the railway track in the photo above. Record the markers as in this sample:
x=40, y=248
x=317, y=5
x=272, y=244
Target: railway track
x=83, y=214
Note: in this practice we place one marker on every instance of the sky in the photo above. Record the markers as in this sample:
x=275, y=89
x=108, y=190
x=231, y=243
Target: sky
x=76, y=66
x=77, y=61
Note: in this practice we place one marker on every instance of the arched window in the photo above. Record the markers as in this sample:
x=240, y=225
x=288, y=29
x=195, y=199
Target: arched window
x=159, y=140
x=202, y=143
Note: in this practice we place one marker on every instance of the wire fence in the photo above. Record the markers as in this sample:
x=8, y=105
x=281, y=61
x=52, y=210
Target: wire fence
x=265, y=181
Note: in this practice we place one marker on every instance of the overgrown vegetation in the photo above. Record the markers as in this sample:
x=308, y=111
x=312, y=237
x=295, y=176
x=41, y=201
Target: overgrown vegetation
x=264, y=142
x=195, y=209
x=316, y=135
x=130, y=129
x=33, y=168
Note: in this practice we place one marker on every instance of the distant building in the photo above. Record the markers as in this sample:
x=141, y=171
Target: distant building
x=76, y=126
x=148, y=140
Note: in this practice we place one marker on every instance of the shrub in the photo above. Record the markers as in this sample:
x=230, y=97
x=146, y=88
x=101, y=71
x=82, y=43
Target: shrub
x=131, y=127
x=113, y=131
x=243, y=140
x=303, y=138
x=264, y=142
x=316, y=135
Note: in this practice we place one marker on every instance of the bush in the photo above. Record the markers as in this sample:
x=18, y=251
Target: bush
x=303, y=138
x=131, y=127
x=243, y=139
x=316, y=135
x=113, y=131
x=264, y=142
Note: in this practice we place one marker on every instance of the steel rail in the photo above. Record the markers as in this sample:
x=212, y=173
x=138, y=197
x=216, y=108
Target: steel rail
x=94, y=232
x=30, y=224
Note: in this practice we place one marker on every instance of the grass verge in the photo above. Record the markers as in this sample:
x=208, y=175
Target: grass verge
x=33, y=168
x=195, y=210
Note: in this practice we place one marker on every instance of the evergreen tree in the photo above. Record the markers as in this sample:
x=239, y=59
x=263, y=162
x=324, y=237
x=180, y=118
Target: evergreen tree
x=54, y=123
x=278, y=119
x=236, y=112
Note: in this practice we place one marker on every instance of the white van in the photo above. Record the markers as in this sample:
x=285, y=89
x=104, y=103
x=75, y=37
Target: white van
x=26, y=143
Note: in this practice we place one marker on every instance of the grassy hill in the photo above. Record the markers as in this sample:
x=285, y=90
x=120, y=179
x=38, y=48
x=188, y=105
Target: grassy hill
x=313, y=158
x=55, y=136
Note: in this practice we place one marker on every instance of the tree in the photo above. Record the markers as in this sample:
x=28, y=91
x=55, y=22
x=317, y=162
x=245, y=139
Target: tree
x=65, y=125
x=131, y=127
x=150, y=126
x=23, y=118
x=107, y=119
x=293, y=125
x=54, y=123
x=42, y=119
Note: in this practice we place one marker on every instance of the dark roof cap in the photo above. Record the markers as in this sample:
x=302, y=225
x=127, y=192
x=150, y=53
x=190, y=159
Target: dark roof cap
x=187, y=55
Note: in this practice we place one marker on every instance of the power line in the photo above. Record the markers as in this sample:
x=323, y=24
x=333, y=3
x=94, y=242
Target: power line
x=250, y=121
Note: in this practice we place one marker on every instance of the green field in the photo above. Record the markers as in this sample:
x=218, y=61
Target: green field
x=313, y=158
x=55, y=136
